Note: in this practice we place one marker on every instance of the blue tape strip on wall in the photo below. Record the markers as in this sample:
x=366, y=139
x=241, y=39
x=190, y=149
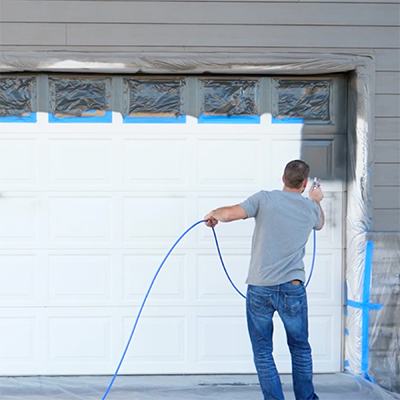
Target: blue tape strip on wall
x=107, y=118
x=225, y=119
x=155, y=120
x=31, y=118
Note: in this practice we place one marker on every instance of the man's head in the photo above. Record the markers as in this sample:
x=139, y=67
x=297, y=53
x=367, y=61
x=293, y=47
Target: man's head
x=296, y=174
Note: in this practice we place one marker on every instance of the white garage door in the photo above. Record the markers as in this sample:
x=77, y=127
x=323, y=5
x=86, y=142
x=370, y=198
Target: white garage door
x=88, y=211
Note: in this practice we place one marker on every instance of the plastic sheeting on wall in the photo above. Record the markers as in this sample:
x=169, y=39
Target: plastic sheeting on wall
x=75, y=96
x=229, y=97
x=384, y=323
x=17, y=96
x=154, y=96
x=308, y=100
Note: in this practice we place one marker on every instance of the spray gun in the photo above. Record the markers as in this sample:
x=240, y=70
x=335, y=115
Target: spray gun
x=317, y=182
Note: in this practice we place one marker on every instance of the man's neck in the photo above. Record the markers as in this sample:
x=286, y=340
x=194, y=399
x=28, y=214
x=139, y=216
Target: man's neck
x=288, y=189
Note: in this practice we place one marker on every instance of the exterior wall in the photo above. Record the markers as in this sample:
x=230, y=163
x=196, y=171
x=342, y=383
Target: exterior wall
x=235, y=26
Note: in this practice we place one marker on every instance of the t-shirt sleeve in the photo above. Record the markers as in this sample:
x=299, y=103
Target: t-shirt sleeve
x=252, y=204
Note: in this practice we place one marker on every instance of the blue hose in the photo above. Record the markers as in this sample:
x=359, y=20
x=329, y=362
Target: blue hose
x=155, y=276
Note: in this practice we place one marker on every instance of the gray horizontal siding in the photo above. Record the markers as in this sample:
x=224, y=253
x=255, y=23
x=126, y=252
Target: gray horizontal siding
x=387, y=82
x=230, y=35
x=197, y=35
x=386, y=220
x=387, y=198
x=387, y=175
x=32, y=34
x=387, y=151
x=196, y=13
x=387, y=128
x=387, y=105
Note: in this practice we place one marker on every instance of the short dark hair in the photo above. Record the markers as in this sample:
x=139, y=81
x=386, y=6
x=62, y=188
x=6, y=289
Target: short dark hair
x=295, y=173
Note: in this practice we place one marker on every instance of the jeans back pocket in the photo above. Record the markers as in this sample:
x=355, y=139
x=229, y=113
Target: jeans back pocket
x=294, y=303
x=260, y=304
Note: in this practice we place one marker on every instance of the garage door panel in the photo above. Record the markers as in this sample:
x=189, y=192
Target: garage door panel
x=154, y=162
x=212, y=284
x=160, y=339
x=240, y=164
x=212, y=344
x=323, y=288
x=155, y=219
x=74, y=340
x=19, y=216
x=70, y=166
x=18, y=163
x=139, y=270
x=80, y=219
x=78, y=279
x=18, y=279
x=18, y=341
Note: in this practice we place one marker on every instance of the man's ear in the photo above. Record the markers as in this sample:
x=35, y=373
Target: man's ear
x=305, y=183
x=283, y=179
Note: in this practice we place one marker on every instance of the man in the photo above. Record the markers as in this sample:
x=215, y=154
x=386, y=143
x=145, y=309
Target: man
x=284, y=220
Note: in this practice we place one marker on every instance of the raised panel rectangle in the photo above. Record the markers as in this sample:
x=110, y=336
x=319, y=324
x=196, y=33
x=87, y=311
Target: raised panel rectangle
x=18, y=219
x=79, y=277
x=18, y=340
x=79, y=339
x=158, y=339
x=211, y=171
x=212, y=283
x=18, y=275
x=76, y=219
x=153, y=219
x=213, y=345
x=139, y=270
x=18, y=162
x=150, y=162
x=80, y=162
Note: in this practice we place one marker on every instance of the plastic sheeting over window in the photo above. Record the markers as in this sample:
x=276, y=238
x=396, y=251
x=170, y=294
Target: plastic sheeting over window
x=230, y=97
x=304, y=99
x=154, y=97
x=17, y=96
x=79, y=97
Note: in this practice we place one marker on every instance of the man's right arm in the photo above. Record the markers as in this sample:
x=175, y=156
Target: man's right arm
x=317, y=195
x=225, y=214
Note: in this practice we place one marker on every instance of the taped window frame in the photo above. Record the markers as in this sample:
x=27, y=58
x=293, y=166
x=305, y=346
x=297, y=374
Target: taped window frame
x=26, y=116
x=154, y=117
x=87, y=116
x=223, y=118
x=277, y=118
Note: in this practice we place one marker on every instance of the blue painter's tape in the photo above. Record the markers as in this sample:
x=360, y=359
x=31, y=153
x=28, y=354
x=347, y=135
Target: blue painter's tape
x=365, y=311
x=346, y=363
x=155, y=120
x=225, y=119
x=278, y=120
x=107, y=118
x=31, y=118
x=346, y=332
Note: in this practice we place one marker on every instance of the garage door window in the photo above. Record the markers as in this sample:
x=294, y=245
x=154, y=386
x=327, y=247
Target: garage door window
x=305, y=101
x=154, y=100
x=229, y=101
x=78, y=99
x=17, y=99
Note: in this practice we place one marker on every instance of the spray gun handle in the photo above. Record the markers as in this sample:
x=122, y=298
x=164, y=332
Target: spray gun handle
x=317, y=182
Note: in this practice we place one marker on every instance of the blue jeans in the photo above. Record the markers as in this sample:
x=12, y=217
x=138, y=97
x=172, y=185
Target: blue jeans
x=291, y=303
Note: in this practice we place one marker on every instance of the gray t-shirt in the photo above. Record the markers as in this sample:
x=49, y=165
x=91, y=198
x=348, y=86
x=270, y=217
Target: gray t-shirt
x=284, y=221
